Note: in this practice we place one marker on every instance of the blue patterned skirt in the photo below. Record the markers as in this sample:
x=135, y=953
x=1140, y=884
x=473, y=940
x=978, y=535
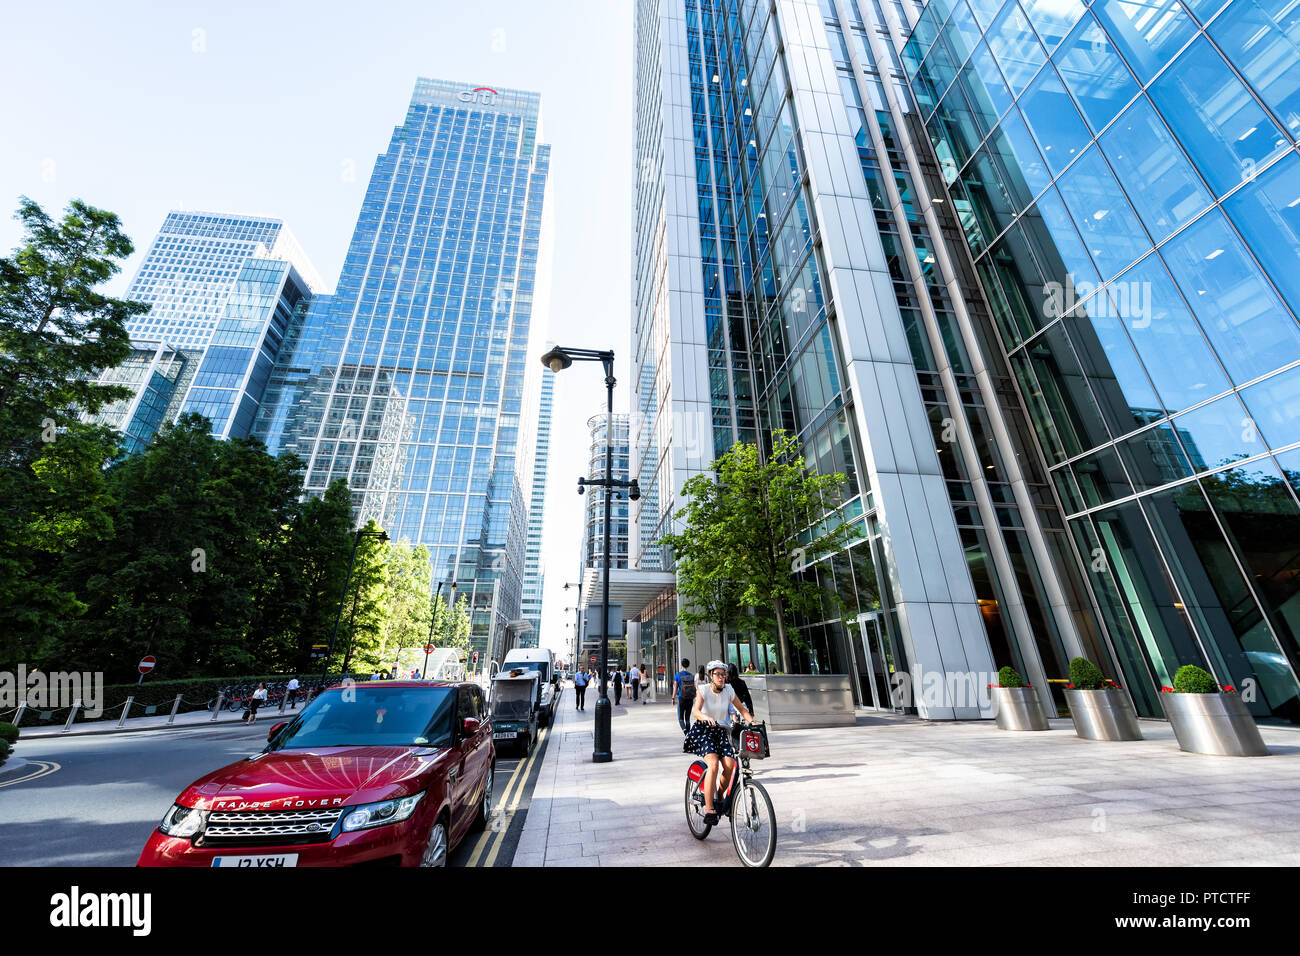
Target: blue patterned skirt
x=704, y=739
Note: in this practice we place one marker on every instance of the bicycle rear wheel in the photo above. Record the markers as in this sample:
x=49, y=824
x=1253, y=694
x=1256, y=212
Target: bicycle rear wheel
x=753, y=826
x=695, y=811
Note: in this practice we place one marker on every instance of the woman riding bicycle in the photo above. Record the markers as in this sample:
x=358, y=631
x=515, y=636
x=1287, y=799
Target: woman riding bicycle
x=710, y=733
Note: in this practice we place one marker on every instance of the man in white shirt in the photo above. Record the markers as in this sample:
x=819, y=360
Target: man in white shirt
x=634, y=678
x=291, y=689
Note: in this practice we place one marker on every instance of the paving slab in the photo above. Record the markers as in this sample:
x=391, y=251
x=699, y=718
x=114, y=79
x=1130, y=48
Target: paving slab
x=900, y=791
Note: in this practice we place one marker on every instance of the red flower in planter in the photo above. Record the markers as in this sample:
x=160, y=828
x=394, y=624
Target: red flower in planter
x=1166, y=690
x=1229, y=689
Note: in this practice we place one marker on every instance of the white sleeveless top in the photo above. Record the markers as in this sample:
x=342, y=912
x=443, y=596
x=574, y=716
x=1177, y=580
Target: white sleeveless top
x=718, y=705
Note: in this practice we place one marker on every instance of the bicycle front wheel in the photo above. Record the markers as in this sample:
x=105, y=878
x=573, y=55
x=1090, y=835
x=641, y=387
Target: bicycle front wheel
x=695, y=811
x=753, y=826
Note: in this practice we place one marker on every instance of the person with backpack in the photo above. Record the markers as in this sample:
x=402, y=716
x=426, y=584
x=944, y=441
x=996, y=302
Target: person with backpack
x=580, y=681
x=684, y=694
x=618, y=686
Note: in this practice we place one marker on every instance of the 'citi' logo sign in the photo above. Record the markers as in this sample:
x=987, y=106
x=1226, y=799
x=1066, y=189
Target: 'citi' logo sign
x=483, y=95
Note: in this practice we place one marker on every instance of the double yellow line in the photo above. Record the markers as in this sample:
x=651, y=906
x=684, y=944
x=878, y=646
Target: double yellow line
x=42, y=768
x=485, y=854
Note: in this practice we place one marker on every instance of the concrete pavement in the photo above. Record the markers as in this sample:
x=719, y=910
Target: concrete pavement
x=900, y=791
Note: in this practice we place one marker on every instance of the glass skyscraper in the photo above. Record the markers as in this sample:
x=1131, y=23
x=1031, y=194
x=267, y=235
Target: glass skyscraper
x=159, y=377
x=223, y=290
x=1125, y=176
x=192, y=268
x=885, y=227
x=593, y=534
x=413, y=381
x=534, y=571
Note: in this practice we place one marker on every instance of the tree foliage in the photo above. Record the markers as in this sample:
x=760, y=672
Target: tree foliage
x=202, y=552
x=752, y=528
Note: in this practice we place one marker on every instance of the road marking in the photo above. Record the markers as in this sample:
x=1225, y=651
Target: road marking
x=493, y=839
x=43, y=768
x=501, y=837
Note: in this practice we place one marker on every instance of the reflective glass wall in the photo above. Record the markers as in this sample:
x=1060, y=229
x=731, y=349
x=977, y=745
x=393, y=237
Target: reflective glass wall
x=1125, y=175
x=410, y=380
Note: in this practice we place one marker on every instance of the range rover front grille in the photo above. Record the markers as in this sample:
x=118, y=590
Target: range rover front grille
x=271, y=827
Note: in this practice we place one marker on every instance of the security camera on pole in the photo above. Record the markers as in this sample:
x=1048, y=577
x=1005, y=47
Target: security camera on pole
x=558, y=359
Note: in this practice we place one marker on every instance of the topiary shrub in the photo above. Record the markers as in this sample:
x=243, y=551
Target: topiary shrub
x=1008, y=677
x=1191, y=679
x=4, y=750
x=1085, y=675
x=8, y=733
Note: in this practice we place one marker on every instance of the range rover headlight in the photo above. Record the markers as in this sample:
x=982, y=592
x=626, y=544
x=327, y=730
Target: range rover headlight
x=378, y=814
x=183, y=821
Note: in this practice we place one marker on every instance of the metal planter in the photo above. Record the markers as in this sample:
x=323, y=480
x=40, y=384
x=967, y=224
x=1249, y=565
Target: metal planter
x=1103, y=714
x=1018, y=708
x=1213, y=724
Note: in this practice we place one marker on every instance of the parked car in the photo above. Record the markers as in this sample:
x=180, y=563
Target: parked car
x=393, y=772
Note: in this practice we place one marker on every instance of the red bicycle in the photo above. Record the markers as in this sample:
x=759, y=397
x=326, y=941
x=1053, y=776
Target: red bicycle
x=745, y=802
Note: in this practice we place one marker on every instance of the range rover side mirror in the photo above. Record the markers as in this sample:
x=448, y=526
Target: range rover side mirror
x=469, y=726
x=275, y=729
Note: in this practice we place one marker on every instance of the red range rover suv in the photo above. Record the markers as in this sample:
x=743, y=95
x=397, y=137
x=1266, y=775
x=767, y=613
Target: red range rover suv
x=384, y=773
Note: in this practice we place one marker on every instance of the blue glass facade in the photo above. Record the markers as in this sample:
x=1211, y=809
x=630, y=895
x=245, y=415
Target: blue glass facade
x=412, y=380
x=1126, y=179
x=232, y=379
x=534, y=571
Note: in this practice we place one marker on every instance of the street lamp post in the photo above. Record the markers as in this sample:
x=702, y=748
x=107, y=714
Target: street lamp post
x=433, y=617
x=360, y=533
x=558, y=359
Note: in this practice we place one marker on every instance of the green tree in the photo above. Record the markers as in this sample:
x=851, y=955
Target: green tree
x=407, y=597
x=308, y=575
x=196, y=522
x=56, y=331
x=770, y=519
x=708, y=594
x=56, y=334
x=362, y=631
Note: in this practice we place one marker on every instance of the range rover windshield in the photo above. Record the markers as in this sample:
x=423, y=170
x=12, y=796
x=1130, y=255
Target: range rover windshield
x=368, y=716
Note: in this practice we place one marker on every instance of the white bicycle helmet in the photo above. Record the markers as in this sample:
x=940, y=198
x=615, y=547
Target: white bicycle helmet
x=714, y=665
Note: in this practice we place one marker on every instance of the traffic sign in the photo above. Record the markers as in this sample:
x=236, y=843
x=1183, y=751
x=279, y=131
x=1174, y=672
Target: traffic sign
x=430, y=648
x=147, y=663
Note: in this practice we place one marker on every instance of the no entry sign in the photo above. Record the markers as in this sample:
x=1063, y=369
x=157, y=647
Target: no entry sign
x=147, y=663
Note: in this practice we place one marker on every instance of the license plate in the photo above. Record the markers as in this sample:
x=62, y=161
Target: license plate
x=508, y=735
x=280, y=859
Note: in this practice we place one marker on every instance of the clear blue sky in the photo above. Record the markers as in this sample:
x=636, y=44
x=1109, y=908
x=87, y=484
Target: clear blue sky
x=280, y=108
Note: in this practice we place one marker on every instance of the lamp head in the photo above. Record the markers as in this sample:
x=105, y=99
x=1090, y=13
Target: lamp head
x=557, y=360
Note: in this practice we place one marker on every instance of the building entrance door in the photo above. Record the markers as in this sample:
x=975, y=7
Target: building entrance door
x=877, y=664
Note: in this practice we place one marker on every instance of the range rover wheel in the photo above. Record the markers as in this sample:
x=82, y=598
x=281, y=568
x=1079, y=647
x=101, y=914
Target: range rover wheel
x=435, y=850
x=485, y=806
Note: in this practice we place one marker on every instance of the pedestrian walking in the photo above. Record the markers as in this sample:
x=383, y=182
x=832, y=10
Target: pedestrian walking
x=618, y=686
x=634, y=678
x=738, y=685
x=259, y=696
x=580, y=681
x=684, y=694
x=291, y=689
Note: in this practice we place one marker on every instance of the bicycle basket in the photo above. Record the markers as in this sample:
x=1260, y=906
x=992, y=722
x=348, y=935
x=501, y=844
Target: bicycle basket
x=753, y=742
